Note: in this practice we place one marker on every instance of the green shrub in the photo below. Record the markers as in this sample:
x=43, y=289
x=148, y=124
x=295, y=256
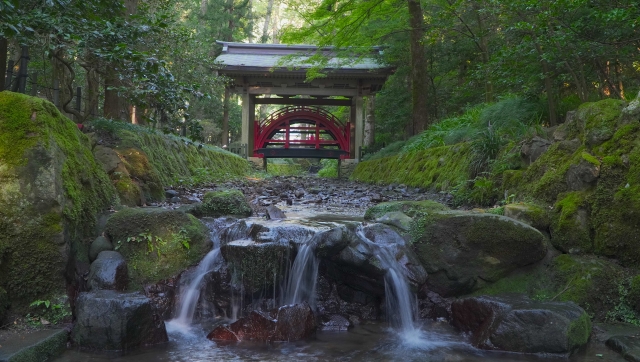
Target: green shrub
x=329, y=168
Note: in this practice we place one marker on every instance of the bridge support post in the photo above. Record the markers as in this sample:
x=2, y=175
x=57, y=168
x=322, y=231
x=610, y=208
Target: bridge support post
x=248, y=120
x=358, y=120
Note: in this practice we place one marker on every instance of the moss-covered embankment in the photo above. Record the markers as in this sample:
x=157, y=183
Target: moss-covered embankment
x=142, y=162
x=586, y=183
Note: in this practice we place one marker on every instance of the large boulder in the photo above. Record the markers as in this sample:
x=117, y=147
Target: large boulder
x=110, y=321
x=51, y=194
x=462, y=251
x=264, y=255
x=108, y=271
x=518, y=324
x=157, y=244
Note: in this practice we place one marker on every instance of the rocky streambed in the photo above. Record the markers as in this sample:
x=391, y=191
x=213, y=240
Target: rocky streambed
x=339, y=270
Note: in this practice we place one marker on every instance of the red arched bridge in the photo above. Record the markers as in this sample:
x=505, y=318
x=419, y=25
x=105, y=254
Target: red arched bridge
x=301, y=132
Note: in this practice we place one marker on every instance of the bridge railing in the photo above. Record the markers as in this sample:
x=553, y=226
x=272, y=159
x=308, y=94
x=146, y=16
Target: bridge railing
x=293, y=109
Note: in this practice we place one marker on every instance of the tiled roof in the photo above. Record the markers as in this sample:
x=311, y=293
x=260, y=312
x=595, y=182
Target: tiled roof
x=277, y=56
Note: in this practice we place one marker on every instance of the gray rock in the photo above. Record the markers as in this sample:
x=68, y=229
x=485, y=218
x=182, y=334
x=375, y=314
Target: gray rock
x=175, y=199
x=107, y=157
x=582, y=176
x=171, y=193
x=631, y=113
x=274, y=213
x=299, y=193
x=517, y=324
x=99, y=245
x=107, y=320
x=627, y=346
x=397, y=219
x=363, y=263
x=334, y=323
x=108, y=271
x=534, y=148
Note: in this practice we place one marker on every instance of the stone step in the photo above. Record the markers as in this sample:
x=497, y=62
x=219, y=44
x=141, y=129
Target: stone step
x=33, y=346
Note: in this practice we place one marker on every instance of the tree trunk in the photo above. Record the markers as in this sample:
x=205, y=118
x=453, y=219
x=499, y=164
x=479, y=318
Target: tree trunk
x=419, y=85
x=61, y=74
x=3, y=61
x=275, y=25
x=203, y=7
x=370, y=122
x=483, y=44
x=113, y=103
x=548, y=87
x=225, y=119
x=267, y=20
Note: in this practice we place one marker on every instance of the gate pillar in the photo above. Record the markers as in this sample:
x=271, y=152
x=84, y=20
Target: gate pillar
x=248, y=120
x=358, y=121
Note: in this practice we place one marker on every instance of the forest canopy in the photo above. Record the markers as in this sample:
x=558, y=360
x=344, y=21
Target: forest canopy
x=153, y=61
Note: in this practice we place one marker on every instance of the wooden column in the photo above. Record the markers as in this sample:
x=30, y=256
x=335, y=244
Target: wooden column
x=248, y=119
x=358, y=120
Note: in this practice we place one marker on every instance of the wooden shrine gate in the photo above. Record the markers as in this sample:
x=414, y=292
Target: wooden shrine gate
x=301, y=132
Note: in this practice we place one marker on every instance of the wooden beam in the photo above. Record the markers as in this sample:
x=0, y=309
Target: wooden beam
x=302, y=91
x=304, y=101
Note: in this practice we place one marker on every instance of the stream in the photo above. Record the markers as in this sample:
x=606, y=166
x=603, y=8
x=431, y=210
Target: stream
x=401, y=338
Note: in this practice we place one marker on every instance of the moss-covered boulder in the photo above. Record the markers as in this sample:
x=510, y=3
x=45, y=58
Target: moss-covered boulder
x=158, y=244
x=223, y=203
x=517, y=324
x=600, y=286
x=461, y=251
x=51, y=192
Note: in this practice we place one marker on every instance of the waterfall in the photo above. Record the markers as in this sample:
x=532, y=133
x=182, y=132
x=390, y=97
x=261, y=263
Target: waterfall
x=399, y=301
x=301, y=284
x=189, y=297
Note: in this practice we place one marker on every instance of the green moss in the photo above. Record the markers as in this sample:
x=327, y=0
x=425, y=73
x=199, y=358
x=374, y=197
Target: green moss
x=590, y=158
x=579, y=331
x=221, y=203
x=589, y=281
x=511, y=180
x=140, y=169
x=570, y=228
x=158, y=244
x=409, y=208
x=536, y=284
x=438, y=168
x=51, y=191
x=128, y=191
x=599, y=120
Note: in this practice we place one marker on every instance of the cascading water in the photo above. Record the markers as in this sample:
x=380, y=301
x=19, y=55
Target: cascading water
x=399, y=301
x=189, y=297
x=301, y=285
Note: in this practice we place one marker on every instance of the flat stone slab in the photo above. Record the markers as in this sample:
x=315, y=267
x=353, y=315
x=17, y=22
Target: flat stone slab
x=35, y=346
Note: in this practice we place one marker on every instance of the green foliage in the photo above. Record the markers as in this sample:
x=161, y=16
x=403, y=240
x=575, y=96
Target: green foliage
x=284, y=167
x=45, y=312
x=329, y=168
x=390, y=150
x=623, y=310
